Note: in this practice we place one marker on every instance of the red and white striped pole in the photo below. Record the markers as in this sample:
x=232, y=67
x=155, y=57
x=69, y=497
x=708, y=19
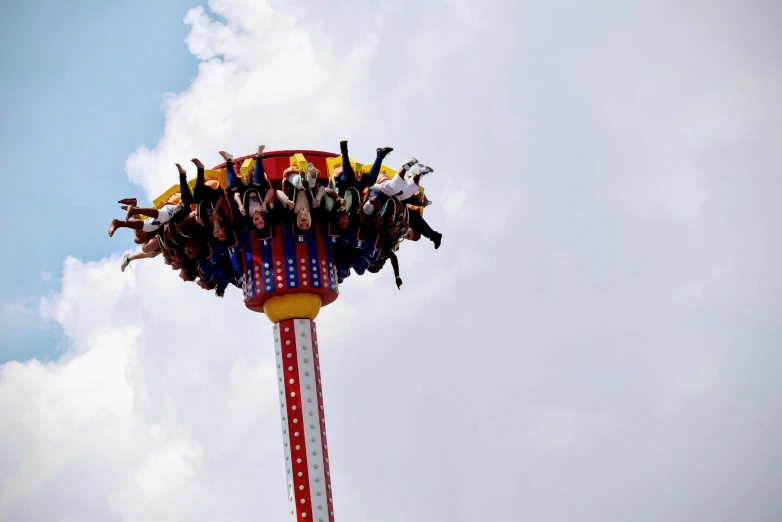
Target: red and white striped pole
x=303, y=421
x=290, y=276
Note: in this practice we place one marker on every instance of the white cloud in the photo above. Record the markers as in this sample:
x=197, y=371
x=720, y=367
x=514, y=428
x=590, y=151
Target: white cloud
x=264, y=79
x=136, y=397
x=597, y=334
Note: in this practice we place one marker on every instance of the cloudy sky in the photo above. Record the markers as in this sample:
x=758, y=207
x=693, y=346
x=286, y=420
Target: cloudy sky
x=598, y=338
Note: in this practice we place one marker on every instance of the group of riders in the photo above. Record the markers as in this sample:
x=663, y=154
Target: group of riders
x=198, y=231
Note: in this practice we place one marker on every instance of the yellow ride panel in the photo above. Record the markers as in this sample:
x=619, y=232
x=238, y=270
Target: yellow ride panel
x=246, y=170
x=218, y=175
x=298, y=160
x=359, y=168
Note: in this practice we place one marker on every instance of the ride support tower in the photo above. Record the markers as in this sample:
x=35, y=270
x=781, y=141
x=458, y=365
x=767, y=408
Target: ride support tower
x=289, y=274
x=290, y=277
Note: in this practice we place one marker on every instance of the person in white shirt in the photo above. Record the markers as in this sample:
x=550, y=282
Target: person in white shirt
x=157, y=217
x=403, y=186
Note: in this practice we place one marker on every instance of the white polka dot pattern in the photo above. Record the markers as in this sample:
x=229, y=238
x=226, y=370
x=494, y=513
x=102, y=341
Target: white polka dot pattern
x=303, y=421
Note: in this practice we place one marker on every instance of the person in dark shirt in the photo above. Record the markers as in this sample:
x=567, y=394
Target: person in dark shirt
x=253, y=200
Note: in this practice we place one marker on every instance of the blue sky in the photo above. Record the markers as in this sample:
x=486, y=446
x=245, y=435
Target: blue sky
x=598, y=333
x=84, y=91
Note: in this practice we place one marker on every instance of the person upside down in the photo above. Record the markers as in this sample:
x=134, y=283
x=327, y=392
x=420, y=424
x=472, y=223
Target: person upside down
x=200, y=231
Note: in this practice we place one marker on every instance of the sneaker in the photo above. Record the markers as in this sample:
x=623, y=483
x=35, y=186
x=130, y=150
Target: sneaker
x=417, y=170
x=125, y=262
x=409, y=162
x=382, y=152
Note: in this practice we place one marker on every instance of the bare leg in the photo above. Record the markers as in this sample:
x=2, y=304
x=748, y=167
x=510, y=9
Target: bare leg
x=267, y=200
x=116, y=223
x=395, y=265
x=136, y=211
x=319, y=196
x=143, y=255
x=151, y=246
x=285, y=200
x=127, y=258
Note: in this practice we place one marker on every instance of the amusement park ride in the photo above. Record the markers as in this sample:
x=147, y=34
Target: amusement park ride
x=289, y=275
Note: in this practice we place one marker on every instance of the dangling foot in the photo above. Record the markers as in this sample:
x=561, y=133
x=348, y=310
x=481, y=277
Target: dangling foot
x=113, y=226
x=197, y=163
x=260, y=150
x=182, y=172
x=343, y=147
x=128, y=201
x=409, y=162
x=382, y=152
x=130, y=212
x=437, y=239
x=419, y=169
x=226, y=156
x=125, y=262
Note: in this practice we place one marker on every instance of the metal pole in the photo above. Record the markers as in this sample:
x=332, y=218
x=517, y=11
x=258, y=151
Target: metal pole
x=303, y=421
